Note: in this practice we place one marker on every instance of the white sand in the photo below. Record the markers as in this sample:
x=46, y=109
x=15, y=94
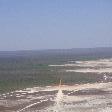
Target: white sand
x=104, y=70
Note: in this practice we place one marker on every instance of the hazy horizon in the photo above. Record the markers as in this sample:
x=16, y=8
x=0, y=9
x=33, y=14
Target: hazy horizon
x=55, y=49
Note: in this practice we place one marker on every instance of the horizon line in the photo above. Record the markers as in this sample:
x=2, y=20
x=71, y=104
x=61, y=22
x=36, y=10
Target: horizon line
x=52, y=49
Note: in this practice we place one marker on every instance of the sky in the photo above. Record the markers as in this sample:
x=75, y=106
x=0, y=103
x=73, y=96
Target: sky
x=55, y=24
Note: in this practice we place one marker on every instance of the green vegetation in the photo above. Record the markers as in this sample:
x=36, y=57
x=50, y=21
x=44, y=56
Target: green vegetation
x=21, y=71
